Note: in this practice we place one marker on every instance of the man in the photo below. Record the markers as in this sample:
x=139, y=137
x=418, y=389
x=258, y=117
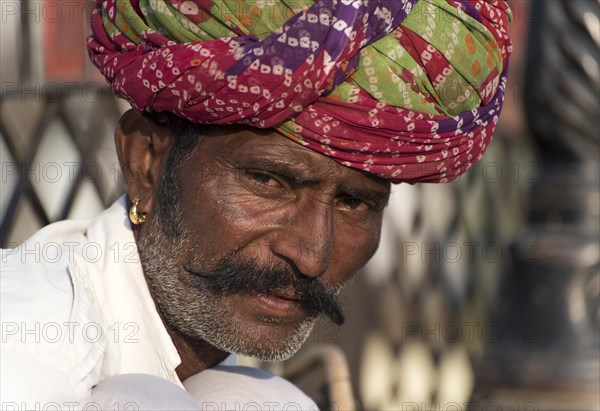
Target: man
x=258, y=160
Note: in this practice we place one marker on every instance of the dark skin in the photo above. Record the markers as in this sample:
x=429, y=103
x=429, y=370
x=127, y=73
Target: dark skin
x=263, y=197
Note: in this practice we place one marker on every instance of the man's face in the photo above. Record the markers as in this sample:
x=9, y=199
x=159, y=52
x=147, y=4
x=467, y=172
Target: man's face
x=269, y=231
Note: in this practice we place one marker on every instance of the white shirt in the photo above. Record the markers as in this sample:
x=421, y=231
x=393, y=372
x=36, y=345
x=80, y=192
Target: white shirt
x=75, y=309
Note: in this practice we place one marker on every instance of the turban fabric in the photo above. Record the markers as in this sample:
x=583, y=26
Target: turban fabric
x=409, y=90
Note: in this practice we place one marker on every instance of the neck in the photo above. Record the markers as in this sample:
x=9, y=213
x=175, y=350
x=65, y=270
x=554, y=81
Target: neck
x=196, y=355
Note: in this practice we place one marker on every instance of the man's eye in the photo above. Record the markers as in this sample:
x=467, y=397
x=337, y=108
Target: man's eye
x=354, y=203
x=262, y=178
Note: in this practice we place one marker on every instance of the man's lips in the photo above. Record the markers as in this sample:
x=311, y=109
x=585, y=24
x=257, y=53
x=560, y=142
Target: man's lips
x=282, y=305
x=285, y=294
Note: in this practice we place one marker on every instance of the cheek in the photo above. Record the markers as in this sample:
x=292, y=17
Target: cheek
x=354, y=247
x=224, y=220
x=246, y=211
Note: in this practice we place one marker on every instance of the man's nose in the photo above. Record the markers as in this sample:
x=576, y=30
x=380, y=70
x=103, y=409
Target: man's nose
x=306, y=239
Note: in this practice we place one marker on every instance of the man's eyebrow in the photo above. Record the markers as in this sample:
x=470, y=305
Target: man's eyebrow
x=294, y=172
x=377, y=195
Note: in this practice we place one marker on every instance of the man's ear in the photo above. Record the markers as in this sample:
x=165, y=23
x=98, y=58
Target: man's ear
x=143, y=146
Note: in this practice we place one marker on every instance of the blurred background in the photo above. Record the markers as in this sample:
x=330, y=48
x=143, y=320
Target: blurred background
x=484, y=294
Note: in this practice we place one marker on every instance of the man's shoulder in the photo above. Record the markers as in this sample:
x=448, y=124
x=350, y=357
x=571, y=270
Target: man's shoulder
x=46, y=314
x=36, y=283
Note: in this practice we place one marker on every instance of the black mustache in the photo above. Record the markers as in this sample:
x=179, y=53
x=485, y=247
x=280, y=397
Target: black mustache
x=233, y=276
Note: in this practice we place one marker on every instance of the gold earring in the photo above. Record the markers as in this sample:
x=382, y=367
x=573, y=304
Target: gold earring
x=136, y=217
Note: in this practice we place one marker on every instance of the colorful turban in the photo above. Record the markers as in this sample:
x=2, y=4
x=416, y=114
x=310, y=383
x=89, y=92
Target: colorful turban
x=409, y=90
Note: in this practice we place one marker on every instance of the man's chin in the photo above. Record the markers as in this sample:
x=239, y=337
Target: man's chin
x=273, y=341
x=267, y=338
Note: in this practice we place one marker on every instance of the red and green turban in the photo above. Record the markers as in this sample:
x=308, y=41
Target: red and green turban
x=409, y=90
